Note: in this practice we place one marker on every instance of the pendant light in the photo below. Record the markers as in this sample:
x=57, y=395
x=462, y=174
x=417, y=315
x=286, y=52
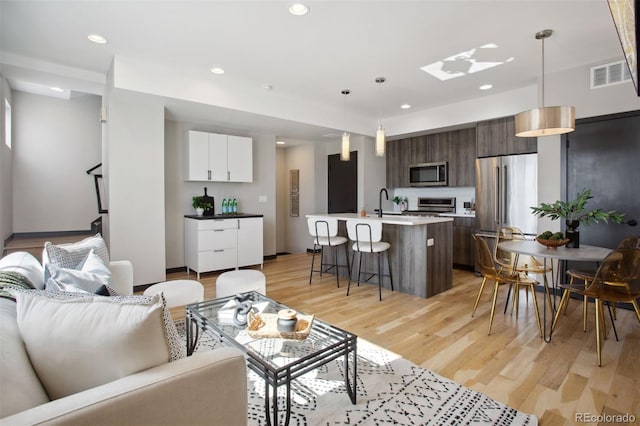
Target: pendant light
x=344, y=153
x=545, y=121
x=380, y=136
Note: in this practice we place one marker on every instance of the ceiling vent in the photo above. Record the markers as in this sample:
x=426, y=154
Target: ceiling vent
x=609, y=74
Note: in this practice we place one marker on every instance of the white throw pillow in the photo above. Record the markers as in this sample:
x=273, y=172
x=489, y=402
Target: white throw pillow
x=77, y=343
x=92, y=275
x=73, y=255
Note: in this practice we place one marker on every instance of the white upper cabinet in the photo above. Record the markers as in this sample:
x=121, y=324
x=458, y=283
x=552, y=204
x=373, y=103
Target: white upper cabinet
x=219, y=158
x=240, y=159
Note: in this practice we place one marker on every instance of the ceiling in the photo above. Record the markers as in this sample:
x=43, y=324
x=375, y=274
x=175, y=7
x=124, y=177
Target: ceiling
x=338, y=45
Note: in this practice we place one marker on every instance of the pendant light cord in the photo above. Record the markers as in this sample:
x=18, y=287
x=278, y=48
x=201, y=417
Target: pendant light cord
x=543, y=72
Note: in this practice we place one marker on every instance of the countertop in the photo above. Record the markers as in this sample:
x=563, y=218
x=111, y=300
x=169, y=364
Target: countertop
x=391, y=219
x=394, y=213
x=223, y=216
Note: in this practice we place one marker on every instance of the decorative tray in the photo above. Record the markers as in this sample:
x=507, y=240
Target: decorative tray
x=266, y=325
x=552, y=244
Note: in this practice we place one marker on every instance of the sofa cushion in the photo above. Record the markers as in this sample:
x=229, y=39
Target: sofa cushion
x=20, y=388
x=24, y=263
x=76, y=343
x=73, y=255
x=92, y=275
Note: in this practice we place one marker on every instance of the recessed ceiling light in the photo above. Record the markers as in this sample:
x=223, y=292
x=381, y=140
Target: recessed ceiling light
x=486, y=86
x=217, y=70
x=96, y=38
x=405, y=106
x=298, y=9
x=280, y=142
x=267, y=86
x=57, y=89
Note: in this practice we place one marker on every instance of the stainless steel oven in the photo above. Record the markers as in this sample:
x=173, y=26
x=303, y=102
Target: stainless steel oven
x=429, y=174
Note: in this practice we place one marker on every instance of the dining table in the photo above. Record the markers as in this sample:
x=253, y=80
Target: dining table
x=584, y=253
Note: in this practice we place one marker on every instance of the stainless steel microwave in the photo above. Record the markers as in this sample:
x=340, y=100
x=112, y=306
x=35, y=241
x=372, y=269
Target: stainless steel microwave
x=429, y=174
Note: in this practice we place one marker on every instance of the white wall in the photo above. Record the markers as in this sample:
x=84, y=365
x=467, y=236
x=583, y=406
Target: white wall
x=302, y=158
x=6, y=168
x=135, y=138
x=282, y=197
x=179, y=193
x=55, y=142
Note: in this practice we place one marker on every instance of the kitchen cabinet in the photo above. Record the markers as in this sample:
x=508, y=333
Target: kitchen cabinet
x=216, y=244
x=463, y=244
x=250, y=251
x=462, y=157
x=219, y=158
x=397, y=163
x=497, y=137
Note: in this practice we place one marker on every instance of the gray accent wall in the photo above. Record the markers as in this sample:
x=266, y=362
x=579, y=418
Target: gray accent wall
x=6, y=170
x=54, y=142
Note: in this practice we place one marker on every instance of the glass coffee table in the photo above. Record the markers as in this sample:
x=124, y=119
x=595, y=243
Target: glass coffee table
x=278, y=361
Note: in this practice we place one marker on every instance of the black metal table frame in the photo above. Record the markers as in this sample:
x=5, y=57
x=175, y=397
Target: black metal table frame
x=276, y=377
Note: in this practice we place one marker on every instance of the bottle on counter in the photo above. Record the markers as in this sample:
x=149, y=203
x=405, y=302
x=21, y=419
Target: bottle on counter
x=224, y=206
x=234, y=205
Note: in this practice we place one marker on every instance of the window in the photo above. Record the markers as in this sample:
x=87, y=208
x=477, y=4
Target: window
x=7, y=123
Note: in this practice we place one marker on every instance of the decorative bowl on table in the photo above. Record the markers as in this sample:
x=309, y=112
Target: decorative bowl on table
x=552, y=244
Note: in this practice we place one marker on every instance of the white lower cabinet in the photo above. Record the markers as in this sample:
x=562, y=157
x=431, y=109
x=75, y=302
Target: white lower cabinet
x=215, y=244
x=250, y=251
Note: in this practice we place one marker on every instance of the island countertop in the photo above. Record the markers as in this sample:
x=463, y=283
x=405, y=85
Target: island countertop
x=392, y=219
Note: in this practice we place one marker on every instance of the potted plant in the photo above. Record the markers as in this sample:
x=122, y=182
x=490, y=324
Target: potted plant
x=574, y=213
x=401, y=201
x=200, y=205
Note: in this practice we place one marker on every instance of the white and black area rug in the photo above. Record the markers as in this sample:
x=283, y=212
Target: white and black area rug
x=391, y=391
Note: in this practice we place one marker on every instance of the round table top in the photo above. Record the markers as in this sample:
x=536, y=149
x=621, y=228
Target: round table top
x=533, y=248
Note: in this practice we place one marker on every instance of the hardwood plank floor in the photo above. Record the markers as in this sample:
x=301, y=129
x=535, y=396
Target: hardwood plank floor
x=514, y=365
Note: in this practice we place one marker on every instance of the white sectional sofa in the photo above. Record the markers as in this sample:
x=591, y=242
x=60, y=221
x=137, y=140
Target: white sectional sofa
x=206, y=388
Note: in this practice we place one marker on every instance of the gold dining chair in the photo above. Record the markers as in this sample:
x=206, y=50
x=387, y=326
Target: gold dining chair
x=617, y=280
x=526, y=264
x=500, y=277
x=585, y=276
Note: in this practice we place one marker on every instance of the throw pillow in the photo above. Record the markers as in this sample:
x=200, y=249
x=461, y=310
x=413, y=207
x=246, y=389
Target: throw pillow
x=73, y=255
x=89, y=278
x=76, y=342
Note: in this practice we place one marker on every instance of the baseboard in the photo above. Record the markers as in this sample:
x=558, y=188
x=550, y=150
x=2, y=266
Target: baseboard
x=19, y=235
x=469, y=268
x=313, y=251
x=282, y=253
x=270, y=257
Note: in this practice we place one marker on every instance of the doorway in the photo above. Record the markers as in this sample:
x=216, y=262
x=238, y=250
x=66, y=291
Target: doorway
x=602, y=155
x=342, y=184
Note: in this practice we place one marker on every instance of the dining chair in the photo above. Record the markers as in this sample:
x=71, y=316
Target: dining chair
x=325, y=234
x=585, y=276
x=366, y=236
x=617, y=280
x=500, y=277
x=525, y=263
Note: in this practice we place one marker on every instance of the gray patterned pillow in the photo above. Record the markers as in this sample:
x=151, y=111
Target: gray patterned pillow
x=73, y=255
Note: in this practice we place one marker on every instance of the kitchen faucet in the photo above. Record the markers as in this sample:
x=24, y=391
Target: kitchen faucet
x=380, y=200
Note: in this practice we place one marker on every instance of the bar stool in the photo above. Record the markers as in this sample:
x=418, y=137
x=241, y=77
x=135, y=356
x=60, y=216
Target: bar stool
x=366, y=235
x=325, y=233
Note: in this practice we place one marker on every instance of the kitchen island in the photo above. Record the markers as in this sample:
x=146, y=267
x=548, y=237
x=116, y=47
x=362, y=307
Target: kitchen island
x=420, y=253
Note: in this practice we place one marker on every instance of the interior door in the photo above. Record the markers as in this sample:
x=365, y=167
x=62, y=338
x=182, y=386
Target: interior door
x=602, y=155
x=343, y=184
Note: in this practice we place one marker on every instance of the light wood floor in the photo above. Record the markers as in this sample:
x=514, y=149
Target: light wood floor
x=553, y=380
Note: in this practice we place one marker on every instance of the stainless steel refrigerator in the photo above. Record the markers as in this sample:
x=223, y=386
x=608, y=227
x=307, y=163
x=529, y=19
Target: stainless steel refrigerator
x=506, y=189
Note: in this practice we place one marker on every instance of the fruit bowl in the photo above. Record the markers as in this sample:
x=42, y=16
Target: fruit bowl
x=552, y=244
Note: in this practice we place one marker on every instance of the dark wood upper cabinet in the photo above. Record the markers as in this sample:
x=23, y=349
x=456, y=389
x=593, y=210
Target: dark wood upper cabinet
x=497, y=137
x=397, y=163
x=462, y=157
x=457, y=147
